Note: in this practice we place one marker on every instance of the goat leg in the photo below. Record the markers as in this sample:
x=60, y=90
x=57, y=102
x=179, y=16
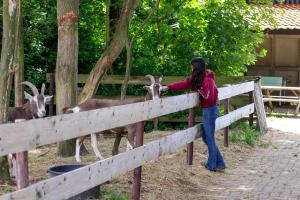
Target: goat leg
x=130, y=136
x=94, y=145
x=79, y=142
x=12, y=163
x=118, y=138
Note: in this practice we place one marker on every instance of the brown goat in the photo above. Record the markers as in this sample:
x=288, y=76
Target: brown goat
x=154, y=92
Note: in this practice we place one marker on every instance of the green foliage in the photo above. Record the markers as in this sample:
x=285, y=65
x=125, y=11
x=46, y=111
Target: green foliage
x=245, y=134
x=40, y=39
x=40, y=36
x=225, y=32
x=91, y=33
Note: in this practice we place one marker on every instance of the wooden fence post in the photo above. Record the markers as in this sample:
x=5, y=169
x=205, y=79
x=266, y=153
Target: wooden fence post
x=226, y=129
x=137, y=174
x=22, y=177
x=260, y=108
x=190, y=146
x=22, y=170
x=155, y=123
x=251, y=115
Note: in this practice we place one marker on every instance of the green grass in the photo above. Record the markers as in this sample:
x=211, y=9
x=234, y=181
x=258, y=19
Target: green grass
x=112, y=194
x=245, y=134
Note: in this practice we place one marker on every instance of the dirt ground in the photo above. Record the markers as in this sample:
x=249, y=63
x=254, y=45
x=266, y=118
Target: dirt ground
x=166, y=178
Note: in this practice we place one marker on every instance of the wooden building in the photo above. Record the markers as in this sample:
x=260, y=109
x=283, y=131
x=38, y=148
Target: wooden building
x=283, y=46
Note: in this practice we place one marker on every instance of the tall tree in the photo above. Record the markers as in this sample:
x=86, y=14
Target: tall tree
x=113, y=12
x=112, y=51
x=67, y=63
x=129, y=48
x=7, y=68
x=22, y=158
x=113, y=9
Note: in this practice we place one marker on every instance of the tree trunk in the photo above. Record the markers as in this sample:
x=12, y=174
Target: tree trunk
x=67, y=63
x=111, y=52
x=6, y=69
x=107, y=26
x=115, y=9
x=19, y=57
x=129, y=47
x=22, y=157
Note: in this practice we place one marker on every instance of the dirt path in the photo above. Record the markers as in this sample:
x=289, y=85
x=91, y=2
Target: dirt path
x=271, y=173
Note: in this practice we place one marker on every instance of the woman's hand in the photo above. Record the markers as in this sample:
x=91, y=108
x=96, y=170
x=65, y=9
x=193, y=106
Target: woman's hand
x=164, y=88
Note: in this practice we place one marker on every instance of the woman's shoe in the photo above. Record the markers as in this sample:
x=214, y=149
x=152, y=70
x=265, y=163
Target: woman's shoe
x=221, y=169
x=212, y=170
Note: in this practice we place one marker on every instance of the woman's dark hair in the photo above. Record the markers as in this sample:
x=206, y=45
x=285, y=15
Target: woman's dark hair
x=198, y=74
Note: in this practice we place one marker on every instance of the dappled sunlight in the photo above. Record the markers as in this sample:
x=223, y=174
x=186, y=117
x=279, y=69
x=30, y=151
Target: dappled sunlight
x=244, y=188
x=252, y=171
x=288, y=125
x=286, y=141
x=35, y=151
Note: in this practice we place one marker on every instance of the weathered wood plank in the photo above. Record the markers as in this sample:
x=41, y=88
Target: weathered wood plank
x=141, y=80
x=233, y=90
x=70, y=184
x=279, y=88
x=233, y=116
x=281, y=100
x=38, y=132
x=260, y=108
x=67, y=185
x=282, y=97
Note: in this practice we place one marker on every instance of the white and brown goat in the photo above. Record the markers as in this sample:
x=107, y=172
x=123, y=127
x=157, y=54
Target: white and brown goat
x=34, y=108
x=154, y=92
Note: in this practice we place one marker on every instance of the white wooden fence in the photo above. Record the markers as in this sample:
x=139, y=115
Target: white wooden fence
x=34, y=133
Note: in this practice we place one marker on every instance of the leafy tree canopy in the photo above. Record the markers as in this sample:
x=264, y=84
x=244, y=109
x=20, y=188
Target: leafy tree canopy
x=225, y=32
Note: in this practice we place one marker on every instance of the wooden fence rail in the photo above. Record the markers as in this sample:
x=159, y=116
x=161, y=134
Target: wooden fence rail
x=69, y=184
x=141, y=80
x=34, y=133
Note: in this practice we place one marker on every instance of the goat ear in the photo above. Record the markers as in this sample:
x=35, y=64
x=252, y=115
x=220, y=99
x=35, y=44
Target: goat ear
x=27, y=96
x=48, y=99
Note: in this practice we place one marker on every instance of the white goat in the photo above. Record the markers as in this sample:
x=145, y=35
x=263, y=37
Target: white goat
x=154, y=92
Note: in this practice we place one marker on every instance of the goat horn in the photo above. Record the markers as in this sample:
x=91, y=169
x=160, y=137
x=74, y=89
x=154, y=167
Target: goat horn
x=43, y=89
x=32, y=87
x=160, y=79
x=151, y=78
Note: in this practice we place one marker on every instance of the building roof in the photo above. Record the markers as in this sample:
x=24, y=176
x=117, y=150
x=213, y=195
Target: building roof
x=287, y=17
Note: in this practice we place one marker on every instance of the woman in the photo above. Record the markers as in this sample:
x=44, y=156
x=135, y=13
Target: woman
x=203, y=82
